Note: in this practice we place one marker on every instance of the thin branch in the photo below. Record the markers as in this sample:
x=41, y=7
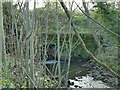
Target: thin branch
x=58, y=44
x=105, y=29
x=83, y=44
x=27, y=74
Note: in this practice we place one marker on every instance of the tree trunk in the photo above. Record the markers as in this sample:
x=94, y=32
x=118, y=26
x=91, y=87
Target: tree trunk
x=2, y=41
x=1, y=36
x=91, y=26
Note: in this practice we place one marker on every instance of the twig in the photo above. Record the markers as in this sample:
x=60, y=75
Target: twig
x=27, y=74
x=105, y=29
x=83, y=44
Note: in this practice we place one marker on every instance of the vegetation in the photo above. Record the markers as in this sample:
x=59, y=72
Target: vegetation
x=54, y=34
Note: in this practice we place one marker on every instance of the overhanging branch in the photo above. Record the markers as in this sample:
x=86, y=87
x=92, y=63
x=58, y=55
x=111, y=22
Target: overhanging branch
x=105, y=29
x=83, y=44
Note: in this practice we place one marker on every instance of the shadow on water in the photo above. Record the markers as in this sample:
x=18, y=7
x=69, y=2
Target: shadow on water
x=77, y=70
x=77, y=67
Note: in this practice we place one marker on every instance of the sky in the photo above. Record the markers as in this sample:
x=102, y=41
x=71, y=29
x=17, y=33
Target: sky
x=40, y=3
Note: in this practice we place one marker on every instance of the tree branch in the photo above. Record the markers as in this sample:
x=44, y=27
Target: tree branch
x=105, y=29
x=83, y=44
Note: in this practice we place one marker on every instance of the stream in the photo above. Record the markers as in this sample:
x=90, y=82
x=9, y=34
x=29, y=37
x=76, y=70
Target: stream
x=85, y=74
x=87, y=82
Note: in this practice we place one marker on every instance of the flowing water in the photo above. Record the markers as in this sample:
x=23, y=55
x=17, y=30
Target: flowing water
x=87, y=82
x=81, y=76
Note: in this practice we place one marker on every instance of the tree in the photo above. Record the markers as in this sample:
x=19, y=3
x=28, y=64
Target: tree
x=1, y=37
x=1, y=33
x=84, y=46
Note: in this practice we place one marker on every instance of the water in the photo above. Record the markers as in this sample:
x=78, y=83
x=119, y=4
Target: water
x=80, y=75
x=87, y=82
x=52, y=61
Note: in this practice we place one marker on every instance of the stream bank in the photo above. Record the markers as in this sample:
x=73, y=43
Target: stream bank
x=88, y=70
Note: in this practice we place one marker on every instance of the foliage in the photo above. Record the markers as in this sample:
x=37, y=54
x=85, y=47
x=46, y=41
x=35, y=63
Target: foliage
x=50, y=83
x=7, y=74
x=45, y=21
x=8, y=24
x=108, y=15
